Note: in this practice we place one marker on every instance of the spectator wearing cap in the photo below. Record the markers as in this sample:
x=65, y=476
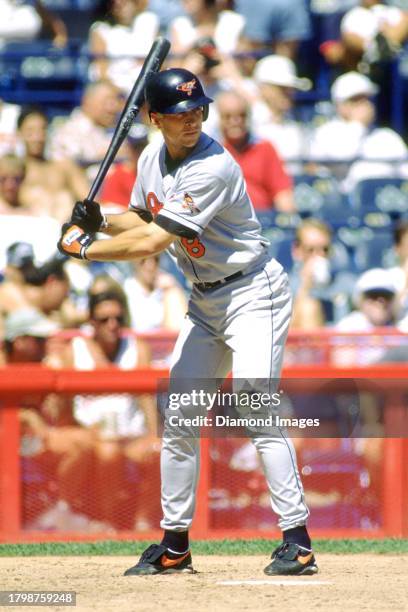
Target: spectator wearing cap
x=273, y=112
x=19, y=259
x=25, y=333
x=268, y=183
x=374, y=296
x=44, y=287
x=399, y=272
x=352, y=135
x=51, y=440
x=376, y=307
x=121, y=177
x=279, y=25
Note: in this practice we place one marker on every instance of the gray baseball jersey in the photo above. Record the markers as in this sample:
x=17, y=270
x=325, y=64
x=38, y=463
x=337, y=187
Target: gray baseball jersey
x=240, y=325
x=205, y=194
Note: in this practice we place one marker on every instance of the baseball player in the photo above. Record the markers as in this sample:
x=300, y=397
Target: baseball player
x=190, y=198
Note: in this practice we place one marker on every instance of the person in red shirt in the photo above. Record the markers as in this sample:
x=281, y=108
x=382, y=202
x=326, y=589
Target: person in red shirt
x=268, y=183
x=121, y=177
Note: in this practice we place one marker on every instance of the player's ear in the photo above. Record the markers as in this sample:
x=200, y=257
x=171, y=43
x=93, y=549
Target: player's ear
x=155, y=119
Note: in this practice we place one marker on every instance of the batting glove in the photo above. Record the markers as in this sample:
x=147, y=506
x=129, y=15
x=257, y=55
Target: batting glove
x=88, y=216
x=74, y=241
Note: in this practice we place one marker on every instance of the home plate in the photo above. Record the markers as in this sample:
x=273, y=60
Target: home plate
x=274, y=582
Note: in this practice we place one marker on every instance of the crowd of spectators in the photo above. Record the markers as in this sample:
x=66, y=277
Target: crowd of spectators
x=252, y=56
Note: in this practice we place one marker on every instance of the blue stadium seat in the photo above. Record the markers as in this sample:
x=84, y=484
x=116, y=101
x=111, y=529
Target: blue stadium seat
x=387, y=195
x=273, y=218
x=341, y=258
x=320, y=196
x=377, y=220
x=374, y=249
x=41, y=74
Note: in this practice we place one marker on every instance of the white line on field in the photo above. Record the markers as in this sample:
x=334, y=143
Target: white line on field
x=274, y=582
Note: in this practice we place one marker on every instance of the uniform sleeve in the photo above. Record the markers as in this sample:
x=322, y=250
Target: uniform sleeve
x=138, y=198
x=194, y=202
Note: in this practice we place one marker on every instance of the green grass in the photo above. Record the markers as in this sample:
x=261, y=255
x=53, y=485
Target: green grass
x=207, y=547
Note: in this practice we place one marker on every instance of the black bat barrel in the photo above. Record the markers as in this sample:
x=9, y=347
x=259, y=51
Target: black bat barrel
x=152, y=63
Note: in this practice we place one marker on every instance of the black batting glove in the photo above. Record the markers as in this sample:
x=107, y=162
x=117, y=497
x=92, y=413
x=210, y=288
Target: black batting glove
x=74, y=241
x=87, y=215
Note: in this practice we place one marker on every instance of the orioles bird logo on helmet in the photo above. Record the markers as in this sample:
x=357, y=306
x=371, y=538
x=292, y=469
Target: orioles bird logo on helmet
x=187, y=87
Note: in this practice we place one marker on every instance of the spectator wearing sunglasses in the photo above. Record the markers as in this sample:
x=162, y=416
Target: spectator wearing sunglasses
x=320, y=291
x=124, y=426
x=376, y=308
x=374, y=299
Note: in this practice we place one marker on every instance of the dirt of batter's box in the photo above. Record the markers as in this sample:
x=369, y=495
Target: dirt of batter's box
x=345, y=583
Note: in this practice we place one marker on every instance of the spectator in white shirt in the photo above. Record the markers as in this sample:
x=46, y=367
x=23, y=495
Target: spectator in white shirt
x=351, y=135
x=125, y=38
x=376, y=307
x=277, y=82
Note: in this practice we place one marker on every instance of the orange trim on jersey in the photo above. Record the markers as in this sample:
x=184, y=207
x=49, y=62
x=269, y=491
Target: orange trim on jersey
x=153, y=203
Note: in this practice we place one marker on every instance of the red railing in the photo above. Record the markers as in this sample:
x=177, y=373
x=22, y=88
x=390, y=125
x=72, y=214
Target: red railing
x=321, y=346
x=17, y=381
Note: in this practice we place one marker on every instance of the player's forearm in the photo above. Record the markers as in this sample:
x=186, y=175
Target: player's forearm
x=138, y=242
x=122, y=222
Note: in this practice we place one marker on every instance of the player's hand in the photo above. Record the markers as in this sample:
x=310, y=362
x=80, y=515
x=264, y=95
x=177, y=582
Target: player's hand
x=74, y=241
x=87, y=215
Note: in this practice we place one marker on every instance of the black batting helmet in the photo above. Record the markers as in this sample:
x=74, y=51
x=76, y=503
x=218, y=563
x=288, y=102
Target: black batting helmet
x=175, y=91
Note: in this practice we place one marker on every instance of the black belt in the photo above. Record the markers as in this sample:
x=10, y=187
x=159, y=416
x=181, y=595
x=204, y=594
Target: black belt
x=222, y=281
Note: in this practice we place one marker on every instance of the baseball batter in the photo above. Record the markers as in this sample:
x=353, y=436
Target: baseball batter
x=190, y=198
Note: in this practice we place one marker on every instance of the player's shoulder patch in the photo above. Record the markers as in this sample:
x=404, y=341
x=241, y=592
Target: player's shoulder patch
x=189, y=204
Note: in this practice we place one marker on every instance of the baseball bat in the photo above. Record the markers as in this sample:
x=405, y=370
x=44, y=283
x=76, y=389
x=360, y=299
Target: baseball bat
x=152, y=63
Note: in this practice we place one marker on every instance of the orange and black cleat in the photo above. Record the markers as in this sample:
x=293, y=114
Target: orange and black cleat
x=157, y=559
x=291, y=560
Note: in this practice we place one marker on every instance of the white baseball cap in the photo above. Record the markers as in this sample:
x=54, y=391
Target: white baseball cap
x=376, y=279
x=279, y=70
x=28, y=322
x=352, y=84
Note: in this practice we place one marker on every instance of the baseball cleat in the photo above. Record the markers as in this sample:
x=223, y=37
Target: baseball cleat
x=291, y=560
x=157, y=559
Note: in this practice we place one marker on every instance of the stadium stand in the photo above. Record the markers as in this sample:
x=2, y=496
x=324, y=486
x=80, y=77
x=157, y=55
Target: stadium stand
x=341, y=482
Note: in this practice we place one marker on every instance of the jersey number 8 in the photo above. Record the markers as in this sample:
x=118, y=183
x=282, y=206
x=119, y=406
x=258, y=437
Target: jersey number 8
x=193, y=246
